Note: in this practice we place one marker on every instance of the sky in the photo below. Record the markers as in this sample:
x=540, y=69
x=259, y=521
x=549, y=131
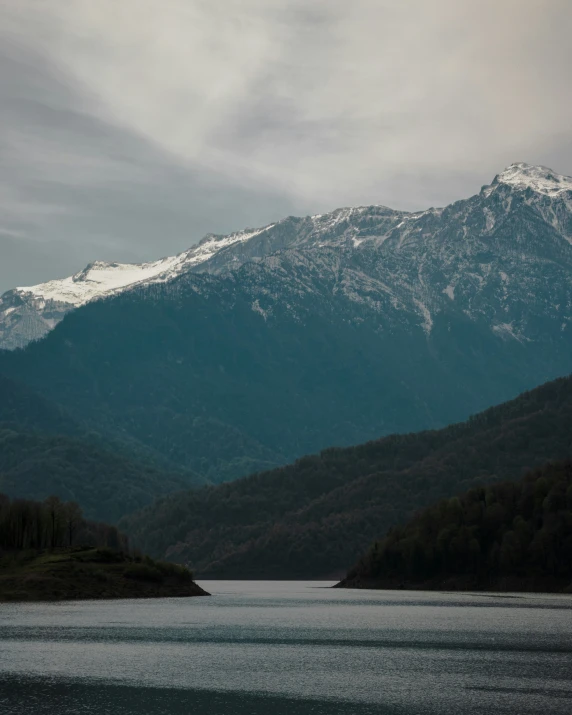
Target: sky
x=129, y=130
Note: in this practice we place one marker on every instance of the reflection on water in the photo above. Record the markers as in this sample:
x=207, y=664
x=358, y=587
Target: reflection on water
x=289, y=647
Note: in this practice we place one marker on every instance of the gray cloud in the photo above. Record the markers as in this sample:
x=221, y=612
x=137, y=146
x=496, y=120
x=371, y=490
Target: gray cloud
x=131, y=129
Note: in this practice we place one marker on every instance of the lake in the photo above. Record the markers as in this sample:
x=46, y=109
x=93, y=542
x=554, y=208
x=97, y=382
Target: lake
x=293, y=648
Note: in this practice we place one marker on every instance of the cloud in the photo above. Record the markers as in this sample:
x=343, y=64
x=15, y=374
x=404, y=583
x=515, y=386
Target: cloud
x=122, y=118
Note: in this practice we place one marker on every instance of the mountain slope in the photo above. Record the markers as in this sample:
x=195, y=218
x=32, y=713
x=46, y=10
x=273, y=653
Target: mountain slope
x=317, y=516
x=21, y=406
x=29, y=313
x=325, y=330
x=413, y=242
x=107, y=485
x=44, y=451
x=507, y=537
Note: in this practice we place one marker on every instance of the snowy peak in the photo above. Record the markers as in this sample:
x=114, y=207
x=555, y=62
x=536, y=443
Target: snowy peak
x=373, y=251
x=538, y=178
x=212, y=244
x=96, y=279
x=100, y=279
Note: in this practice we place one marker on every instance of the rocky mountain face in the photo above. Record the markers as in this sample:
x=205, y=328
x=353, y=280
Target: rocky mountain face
x=483, y=257
x=250, y=350
x=29, y=313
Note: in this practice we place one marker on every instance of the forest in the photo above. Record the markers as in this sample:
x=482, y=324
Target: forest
x=107, y=484
x=49, y=524
x=317, y=516
x=44, y=451
x=507, y=536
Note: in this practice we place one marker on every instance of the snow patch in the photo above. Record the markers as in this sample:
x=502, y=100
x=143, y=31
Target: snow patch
x=100, y=279
x=538, y=178
x=489, y=218
x=507, y=331
x=211, y=245
x=450, y=291
x=257, y=309
x=428, y=320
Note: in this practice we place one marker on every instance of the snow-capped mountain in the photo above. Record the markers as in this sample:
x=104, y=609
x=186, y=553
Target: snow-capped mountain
x=253, y=349
x=28, y=313
x=478, y=255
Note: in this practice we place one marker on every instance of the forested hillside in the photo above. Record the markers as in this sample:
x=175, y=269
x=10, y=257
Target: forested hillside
x=30, y=411
x=318, y=515
x=254, y=349
x=513, y=536
x=44, y=451
x=106, y=484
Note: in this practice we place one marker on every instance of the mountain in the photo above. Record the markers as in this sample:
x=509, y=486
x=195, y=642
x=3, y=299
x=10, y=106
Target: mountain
x=423, y=262
x=28, y=313
x=316, y=517
x=44, y=451
x=105, y=483
x=515, y=536
x=253, y=349
x=23, y=407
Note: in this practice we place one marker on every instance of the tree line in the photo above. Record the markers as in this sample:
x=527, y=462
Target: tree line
x=512, y=532
x=49, y=524
x=317, y=516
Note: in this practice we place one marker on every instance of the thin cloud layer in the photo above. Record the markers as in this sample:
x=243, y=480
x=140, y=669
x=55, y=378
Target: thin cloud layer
x=130, y=129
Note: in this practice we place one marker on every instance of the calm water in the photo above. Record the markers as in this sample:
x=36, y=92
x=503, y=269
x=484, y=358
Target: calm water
x=289, y=648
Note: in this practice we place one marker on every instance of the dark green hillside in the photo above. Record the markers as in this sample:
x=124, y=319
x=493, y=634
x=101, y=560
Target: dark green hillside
x=192, y=372
x=44, y=450
x=19, y=405
x=107, y=485
x=26, y=410
x=316, y=516
x=513, y=536
x=49, y=552
x=311, y=332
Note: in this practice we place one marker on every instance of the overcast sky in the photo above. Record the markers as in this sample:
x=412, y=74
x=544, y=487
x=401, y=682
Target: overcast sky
x=130, y=128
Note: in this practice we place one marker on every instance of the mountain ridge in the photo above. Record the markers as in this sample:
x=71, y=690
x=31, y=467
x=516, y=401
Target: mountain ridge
x=28, y=313
x=318, y=515
x=325, y=330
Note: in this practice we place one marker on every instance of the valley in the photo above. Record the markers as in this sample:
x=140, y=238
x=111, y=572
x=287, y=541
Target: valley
x=285, y=357
x=181, y=398
x=257, y=348
x=317, y=516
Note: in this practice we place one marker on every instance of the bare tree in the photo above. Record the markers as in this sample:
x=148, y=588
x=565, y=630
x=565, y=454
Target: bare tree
x=73, y=519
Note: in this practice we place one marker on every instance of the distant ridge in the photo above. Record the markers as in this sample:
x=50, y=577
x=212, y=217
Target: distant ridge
x=316, y=517
x=28, y=313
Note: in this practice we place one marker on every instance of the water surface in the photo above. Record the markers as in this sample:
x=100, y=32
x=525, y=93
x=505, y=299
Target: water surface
x=289, y=648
